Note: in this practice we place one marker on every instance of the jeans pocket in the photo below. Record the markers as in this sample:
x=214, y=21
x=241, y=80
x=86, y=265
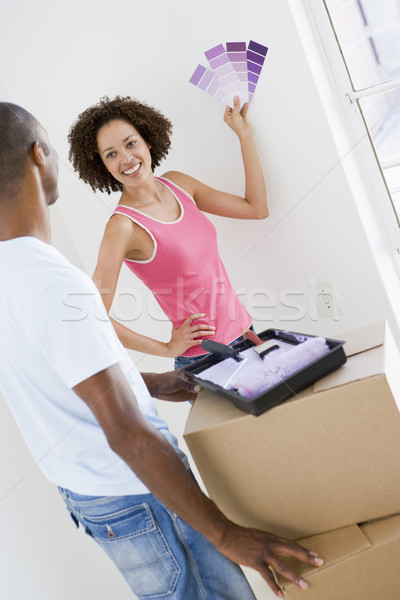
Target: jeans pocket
x=135, y=543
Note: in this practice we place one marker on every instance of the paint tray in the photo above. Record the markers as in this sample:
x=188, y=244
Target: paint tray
x=285, y=387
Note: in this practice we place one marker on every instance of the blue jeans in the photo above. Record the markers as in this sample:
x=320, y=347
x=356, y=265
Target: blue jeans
x=185, y=361
x=159, y=554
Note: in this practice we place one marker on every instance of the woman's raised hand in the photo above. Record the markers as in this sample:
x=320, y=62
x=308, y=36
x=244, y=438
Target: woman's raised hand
x=236, y=117
x=188, y=335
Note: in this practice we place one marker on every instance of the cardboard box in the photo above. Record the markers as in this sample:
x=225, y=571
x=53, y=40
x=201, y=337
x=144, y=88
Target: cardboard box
x=360, y=562
x=322, y=460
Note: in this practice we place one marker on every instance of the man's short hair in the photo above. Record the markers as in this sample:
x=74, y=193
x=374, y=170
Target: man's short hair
x=18, y=132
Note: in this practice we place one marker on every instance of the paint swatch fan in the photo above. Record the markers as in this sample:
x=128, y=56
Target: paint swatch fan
x=234, y=71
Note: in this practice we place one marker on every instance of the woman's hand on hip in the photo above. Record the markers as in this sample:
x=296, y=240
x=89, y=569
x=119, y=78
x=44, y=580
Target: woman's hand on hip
x=188, y=335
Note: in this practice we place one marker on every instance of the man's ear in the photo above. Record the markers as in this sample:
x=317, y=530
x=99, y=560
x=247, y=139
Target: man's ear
x=38, y=154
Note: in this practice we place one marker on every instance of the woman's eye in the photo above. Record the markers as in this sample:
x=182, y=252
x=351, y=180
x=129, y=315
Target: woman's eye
x=110, y=155
x=131, y=143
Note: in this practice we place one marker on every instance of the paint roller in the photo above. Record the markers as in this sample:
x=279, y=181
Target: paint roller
x=261, y=366
x=230, y=368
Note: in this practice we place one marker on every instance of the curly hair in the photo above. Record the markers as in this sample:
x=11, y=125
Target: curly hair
x=154, y=128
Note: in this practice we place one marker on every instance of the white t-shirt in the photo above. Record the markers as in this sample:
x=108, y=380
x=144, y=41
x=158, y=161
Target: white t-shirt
x=54, y=334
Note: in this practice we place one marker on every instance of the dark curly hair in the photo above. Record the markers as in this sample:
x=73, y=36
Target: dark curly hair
x=154, y=128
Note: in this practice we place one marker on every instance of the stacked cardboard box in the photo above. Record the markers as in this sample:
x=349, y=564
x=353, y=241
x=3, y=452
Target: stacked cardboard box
x=327, y=459
x=361, y=562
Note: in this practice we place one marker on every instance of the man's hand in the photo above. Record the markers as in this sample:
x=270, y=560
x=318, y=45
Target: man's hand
x=262, y=551
x=173, y=386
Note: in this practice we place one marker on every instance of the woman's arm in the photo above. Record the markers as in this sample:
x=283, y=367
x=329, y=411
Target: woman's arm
x=254, y=203
x=120, y=239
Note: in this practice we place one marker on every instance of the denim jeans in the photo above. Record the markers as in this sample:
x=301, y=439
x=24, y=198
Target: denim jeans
x=159, y=554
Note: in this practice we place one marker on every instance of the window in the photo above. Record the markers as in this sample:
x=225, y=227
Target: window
x=368, y=35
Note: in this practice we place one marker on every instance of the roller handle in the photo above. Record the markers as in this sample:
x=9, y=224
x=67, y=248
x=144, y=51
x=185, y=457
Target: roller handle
x=221, y=349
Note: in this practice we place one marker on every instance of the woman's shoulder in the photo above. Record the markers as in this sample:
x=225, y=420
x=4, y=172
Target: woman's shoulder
x=116, y=226
x=172, y=175
x=181, y=180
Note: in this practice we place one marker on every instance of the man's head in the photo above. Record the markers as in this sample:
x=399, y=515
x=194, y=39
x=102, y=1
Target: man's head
x=23, y=139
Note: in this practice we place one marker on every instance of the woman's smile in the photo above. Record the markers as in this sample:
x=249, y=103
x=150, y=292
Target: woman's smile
x=132, y=170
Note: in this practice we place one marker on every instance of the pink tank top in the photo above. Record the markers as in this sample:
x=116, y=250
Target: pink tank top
x=185, y=272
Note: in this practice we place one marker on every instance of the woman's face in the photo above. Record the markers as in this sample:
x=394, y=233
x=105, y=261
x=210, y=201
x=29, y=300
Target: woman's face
x=124, y=152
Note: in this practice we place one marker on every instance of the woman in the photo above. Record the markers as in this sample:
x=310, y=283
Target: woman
x=158, y=228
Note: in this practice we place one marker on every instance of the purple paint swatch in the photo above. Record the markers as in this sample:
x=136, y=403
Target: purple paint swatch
x=236, y=52
x=198, y=74
x=236, y=46
x=214, y=52
x=234, y=71
x=256, y=54
x=226, y=75
x=258, y=48
x=205, y=80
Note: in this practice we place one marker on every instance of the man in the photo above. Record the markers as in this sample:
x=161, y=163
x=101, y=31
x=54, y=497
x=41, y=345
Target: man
x=88, y=417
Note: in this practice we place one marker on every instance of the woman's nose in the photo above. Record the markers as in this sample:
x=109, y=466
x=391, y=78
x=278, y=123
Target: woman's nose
x=128, y=156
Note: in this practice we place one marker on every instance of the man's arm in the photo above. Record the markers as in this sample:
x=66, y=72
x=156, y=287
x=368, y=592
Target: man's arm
x=154, y=461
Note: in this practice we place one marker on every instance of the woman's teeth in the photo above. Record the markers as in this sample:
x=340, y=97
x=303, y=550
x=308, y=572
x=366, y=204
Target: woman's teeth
x=133, y=170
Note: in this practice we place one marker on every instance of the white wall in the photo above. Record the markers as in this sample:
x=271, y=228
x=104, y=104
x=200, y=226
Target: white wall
x=58, y=58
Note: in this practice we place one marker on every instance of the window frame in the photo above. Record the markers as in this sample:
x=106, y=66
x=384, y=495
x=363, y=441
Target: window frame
x=354, y=142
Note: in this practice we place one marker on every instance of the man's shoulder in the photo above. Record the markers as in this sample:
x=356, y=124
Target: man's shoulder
x=37, y=270
x=46, y=261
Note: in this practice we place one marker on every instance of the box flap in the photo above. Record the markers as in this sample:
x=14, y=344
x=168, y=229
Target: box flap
x=382, y=530
x=372, y=350
x=211, y=410
x=334, y=547
x=363, y=338
x=358, y=366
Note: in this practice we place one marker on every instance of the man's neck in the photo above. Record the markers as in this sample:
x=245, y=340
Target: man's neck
x=16, y=226
x=25, y=214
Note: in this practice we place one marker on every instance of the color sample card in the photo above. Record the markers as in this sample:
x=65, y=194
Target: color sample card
x=237, y=54
x=255, y=54
x=205, y=80
x=226, y=75
x=234, y=71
